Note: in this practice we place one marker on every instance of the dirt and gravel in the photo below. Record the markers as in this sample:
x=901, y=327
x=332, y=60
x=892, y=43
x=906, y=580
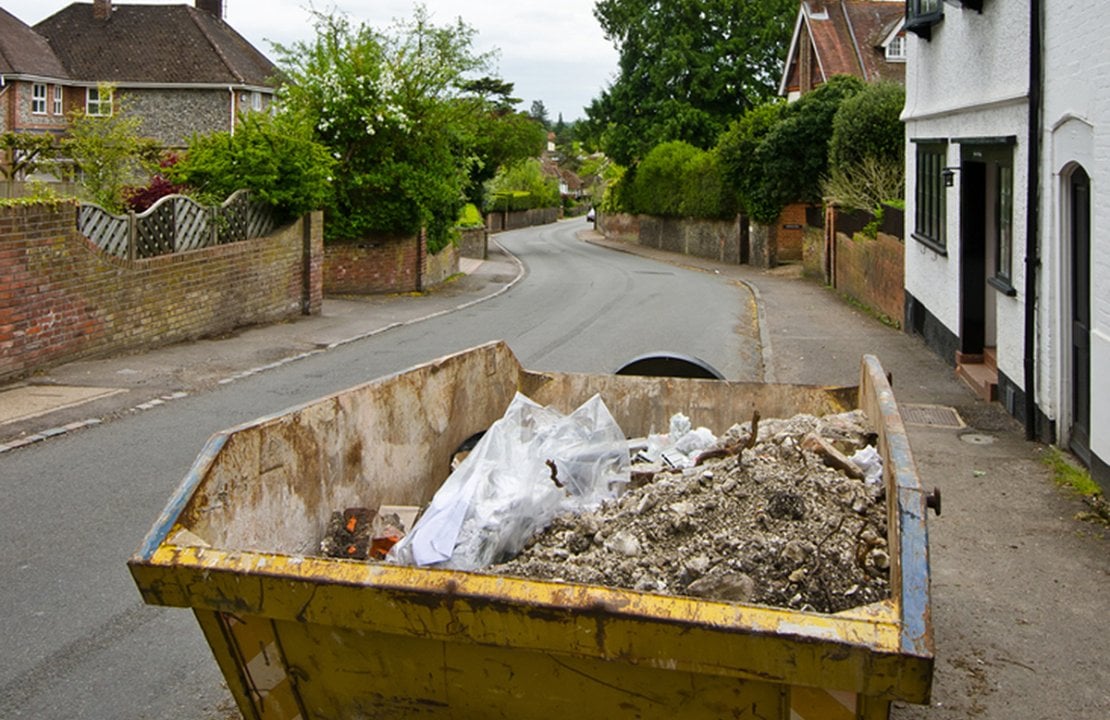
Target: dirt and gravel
x=771, y=524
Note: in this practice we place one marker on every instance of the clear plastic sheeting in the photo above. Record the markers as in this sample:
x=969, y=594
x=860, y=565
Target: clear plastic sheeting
x=531, y=465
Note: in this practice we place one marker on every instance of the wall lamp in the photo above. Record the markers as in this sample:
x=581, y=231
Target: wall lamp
x=949, y=175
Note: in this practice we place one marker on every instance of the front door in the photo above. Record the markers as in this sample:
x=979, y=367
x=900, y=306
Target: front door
x=1081, y=314
x=973, y=258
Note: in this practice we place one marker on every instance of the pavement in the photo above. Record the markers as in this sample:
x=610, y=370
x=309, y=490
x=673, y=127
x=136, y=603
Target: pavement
x=1020, y=598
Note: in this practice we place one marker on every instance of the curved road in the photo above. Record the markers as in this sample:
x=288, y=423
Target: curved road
x=77, y=640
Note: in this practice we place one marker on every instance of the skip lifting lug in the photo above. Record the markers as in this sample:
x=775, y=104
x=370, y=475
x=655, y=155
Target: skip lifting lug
x=932, y=501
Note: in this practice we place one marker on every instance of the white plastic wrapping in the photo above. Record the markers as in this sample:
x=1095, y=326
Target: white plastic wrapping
x=504, y=492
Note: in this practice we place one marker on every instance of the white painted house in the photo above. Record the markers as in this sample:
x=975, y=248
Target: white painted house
x=1008, y=144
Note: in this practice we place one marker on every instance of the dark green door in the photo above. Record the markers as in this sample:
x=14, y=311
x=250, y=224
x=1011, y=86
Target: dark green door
x=1081, y=314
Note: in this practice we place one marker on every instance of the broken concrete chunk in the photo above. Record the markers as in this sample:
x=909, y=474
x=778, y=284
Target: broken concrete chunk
x=736, y=587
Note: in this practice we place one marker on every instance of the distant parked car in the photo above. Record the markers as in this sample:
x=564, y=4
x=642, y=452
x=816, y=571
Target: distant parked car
x=591, y=216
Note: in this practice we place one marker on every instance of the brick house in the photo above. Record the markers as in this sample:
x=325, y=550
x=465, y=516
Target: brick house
x=33, y=81
x=182, y=68
x=1007, y=135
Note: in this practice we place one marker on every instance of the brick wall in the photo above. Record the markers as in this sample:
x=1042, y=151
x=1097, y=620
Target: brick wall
x=375, y=265
x=871, y=271
x=790, y=233
x=386, y=265
x=62, y=299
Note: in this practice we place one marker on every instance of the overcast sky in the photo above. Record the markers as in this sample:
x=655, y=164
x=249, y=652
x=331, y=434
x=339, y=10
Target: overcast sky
x=552, y=51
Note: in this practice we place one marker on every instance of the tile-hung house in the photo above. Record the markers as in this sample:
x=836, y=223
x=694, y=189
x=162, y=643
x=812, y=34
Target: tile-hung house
x=864, y=38
x=1007, y=115
x=182, y=68
x=33, y=81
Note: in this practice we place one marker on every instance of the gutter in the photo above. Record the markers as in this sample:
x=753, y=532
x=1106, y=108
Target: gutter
x=1032, y=211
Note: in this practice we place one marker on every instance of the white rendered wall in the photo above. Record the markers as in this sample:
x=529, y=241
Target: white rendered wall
x=1077, y=131
x=970, y=80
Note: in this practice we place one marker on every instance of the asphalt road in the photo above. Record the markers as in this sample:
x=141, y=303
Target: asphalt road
x=77, y=640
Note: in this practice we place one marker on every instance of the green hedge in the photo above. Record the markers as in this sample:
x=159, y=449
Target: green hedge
x=677, y=179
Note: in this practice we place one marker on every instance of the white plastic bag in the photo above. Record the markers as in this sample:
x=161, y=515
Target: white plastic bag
x=870, y=462
x=681, y=446
x=503, y=492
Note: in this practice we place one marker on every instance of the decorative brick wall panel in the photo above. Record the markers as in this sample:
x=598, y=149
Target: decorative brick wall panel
x=63, y=299
x=372, y=266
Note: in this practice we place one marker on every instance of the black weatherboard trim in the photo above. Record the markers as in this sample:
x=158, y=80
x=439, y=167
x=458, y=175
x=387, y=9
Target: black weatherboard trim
x=987, y=140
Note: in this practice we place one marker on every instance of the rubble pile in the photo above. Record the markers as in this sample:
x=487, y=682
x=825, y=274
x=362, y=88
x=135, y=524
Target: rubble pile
x=783, y=518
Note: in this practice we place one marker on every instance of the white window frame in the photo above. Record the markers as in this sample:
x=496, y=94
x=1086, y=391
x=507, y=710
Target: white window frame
x=256, y=101
x=95, y=107
x=38, y=98
x=896, y=48
x=59, y=105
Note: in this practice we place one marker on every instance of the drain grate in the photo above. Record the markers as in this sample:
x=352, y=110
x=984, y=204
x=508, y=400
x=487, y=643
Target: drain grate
x=938, y=416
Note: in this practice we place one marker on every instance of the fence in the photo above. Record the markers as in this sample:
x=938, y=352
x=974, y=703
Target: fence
x=21, y=188
x=175, y=224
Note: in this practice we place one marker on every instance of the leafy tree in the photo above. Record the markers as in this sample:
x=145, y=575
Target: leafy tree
x=687, y=67
x=522, y=186
x=867, y=150
x=393, y=109
x=495, y=91
x=869, y=125
x=657, y=185
x=25, y=153
x=500, y=140
x=109, y=153
x=795, y=153
x=741, y=163
x=539, y=114
x=677, y=179
x=275, y=157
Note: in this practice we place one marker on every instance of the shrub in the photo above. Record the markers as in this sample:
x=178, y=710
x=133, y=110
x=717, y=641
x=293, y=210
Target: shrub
x=658, y=184
x=868, y=125
x=470, y=217
x=865, y=185
x=705, y=192
x=275, y=157
x=794, y=155
x=140, y=199
x=741, y=165
x=523, y=186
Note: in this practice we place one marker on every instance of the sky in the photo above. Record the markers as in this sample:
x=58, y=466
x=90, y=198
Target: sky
x=551, y=51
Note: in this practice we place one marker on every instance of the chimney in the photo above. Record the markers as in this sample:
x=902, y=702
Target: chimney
x=102, y=9
x=214, y=7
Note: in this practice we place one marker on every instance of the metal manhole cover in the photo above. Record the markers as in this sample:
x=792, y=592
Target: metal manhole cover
x=938, y=416
x=974, y=438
